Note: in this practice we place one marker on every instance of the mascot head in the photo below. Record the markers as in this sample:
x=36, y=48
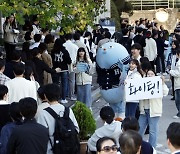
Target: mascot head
x=112, y=64
x=112, y=54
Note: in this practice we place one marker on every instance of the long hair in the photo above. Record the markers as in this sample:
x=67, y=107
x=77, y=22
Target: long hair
x=58, y=46
x=79, y=50
x=136, y=62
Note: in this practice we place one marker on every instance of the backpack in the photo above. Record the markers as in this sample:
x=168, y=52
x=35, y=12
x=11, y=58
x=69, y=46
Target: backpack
x=66, y=139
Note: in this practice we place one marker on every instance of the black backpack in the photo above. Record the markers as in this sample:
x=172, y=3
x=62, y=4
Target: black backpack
x=66, y=139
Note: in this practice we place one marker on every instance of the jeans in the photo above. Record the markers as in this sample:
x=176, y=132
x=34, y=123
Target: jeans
x=160, y=65
x=63, y=82
x=177, y=101
x=117, y=107
x=84, y=94
x=71, y=84
x=130, y=109
x=144, y=120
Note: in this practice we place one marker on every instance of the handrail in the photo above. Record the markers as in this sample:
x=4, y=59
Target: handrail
x=153, y=4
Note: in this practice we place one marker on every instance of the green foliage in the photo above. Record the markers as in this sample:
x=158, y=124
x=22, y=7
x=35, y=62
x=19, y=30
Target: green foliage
x=73, y=14
x=115, y=15
x=85, y=120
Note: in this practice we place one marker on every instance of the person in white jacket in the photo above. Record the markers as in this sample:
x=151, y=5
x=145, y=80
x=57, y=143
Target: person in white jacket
x=133, y=73
x=176, y=74
x=111, y=128
x=83, y=78
x=151, y=111
x=150, y=50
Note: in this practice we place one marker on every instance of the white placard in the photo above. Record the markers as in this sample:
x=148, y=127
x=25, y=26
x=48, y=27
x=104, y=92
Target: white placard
x=143, y=88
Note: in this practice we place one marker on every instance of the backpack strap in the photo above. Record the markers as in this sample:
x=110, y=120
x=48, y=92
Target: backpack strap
x=52, y=112
x=55, y=115
x=66, y=113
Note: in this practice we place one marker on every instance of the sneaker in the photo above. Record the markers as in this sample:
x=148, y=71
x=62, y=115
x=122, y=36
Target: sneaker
x=165, y=74
x=176, y=117
x=73, y=98
x=64, y=101
x=173, y=98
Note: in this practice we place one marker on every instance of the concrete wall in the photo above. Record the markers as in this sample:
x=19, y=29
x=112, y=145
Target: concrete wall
x=170, y=24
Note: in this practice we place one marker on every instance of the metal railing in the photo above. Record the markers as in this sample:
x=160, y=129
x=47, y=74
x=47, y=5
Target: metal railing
x=153, y=4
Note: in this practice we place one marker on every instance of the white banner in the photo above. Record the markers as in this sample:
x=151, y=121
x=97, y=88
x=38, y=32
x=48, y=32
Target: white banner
x=143, y=88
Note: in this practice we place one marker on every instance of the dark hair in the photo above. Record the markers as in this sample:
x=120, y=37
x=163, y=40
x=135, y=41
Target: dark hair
x=28, y=72
x=76, y=36
x=144, y=59
x=3, y=91
x=107, y=114
x=44, y=30
x=58, y=46
x=42, y=47
x=151, y=70
x=14, y=112
x=176, y=43
x=136, y=62
x=2, y=63
x=107, y=35
x=145, y=66
x=100, y=142
x=41, y=93
x=125, y=31
x=18, y=68
x=177, y=36
x=13, y=24
x=173, y=134
x=27, y=36
x=148, y=34
x=49, y=39
x=37, y=37
x=68, y=36
x=130, y=123
x=136, y=46
x=16, y=55
x=139, y=30
x=79, y=50
x=88, y=34
x=28, y=107
x=52, y=92
x=178, y=51
x=130, y=142
x=35, y=51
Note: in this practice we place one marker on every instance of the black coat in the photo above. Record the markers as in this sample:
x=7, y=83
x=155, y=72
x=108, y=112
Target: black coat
x=28, y=138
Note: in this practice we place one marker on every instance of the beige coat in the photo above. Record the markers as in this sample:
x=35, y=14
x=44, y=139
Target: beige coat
x=48, y=60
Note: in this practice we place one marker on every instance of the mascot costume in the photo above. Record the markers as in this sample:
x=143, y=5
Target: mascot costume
x=112, y=66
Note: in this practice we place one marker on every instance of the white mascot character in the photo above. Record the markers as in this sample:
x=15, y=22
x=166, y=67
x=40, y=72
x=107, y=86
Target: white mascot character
x=112, y=65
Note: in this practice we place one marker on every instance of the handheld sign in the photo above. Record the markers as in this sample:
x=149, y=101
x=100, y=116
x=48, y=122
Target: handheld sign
x=143, y=88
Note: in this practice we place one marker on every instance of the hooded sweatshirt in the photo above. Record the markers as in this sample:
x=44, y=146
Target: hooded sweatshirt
x=112, y=130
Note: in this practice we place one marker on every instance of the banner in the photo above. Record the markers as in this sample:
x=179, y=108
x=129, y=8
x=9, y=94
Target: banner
x=143, y=88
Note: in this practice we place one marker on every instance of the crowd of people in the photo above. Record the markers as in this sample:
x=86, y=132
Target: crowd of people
x=48, y=71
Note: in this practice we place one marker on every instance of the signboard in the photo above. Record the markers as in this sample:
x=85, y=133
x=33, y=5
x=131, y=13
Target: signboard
x=107, y=23
x=143, y=88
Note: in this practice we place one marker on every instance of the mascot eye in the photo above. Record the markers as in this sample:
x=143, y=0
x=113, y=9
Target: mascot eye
x=110, y=47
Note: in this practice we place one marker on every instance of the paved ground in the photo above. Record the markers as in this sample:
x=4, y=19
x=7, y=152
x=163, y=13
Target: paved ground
x=169, y=110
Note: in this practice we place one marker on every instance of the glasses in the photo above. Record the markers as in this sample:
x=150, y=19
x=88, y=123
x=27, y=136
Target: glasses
x=109, y=148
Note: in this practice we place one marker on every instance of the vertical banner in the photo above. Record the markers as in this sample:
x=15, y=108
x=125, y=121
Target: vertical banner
x=143, y=88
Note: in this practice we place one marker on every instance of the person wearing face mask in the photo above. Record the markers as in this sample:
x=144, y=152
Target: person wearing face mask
x=106, y=145
x=151, y=111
